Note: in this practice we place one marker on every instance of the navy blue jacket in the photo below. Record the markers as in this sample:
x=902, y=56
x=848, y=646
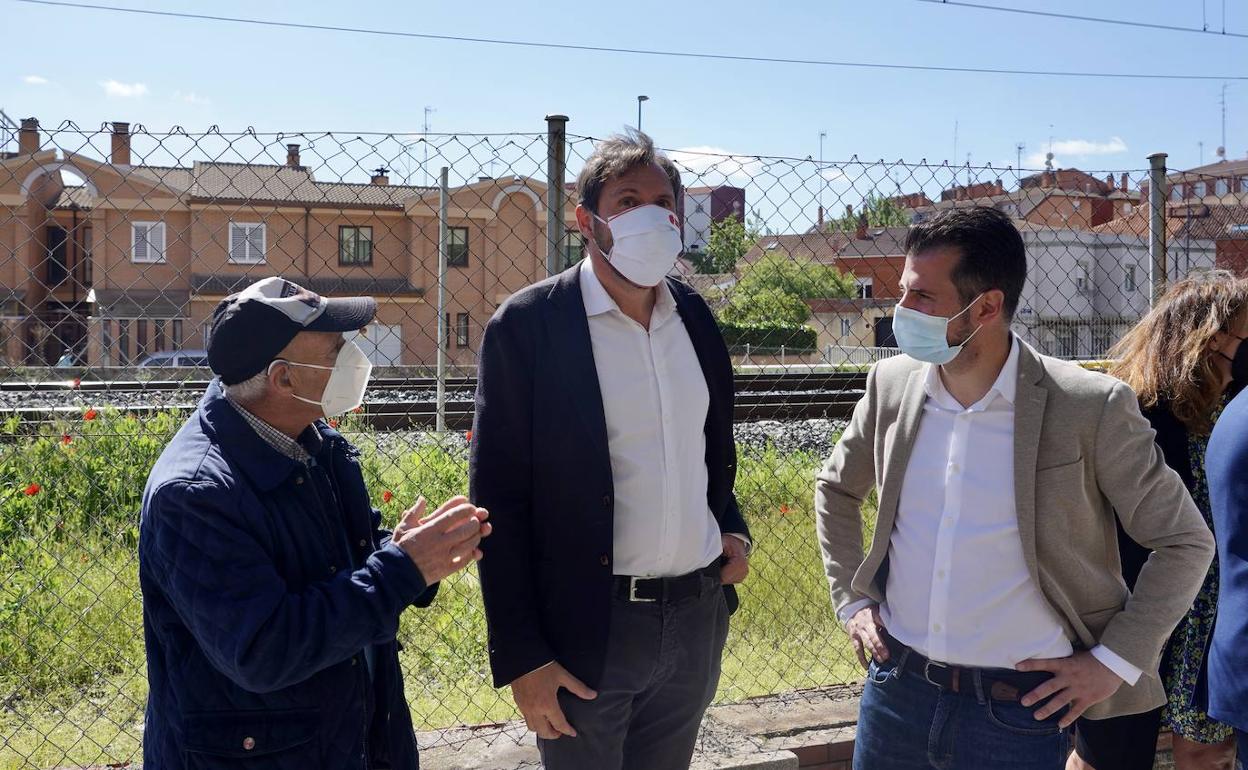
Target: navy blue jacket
x=255, y=618
x=541, y=466
x=1226, y=466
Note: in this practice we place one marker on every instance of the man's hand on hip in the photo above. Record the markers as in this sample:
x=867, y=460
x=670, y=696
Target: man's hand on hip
x=736, y=563
x=445, y=541
x=1081, y=681
x=864, y=629
x=537, y=696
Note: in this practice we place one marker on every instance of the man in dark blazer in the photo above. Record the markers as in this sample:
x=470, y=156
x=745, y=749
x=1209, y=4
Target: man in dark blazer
x=603, y=448
x=1226, y=466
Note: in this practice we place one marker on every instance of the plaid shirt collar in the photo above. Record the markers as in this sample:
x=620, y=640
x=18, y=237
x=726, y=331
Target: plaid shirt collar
x=289, y=447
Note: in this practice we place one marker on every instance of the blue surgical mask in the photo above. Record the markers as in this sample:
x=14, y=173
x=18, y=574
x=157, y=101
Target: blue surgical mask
x=925, y=337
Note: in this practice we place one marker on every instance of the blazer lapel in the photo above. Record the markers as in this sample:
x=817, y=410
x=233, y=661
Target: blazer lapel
x=898, y=453
x=1029, y=404
x=568, y=330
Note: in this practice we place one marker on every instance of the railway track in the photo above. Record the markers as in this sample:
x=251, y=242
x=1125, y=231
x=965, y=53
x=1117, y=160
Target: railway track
x=759, y=397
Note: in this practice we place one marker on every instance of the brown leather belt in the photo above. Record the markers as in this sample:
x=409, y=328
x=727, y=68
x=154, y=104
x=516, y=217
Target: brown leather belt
x=1000, y=684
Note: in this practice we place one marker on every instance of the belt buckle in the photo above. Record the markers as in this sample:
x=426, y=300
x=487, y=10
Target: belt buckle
x=927, y=669
x=632, y=591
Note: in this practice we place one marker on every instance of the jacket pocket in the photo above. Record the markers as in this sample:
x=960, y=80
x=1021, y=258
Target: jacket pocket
x=258, y=738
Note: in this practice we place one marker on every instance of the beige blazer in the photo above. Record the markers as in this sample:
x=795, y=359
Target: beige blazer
x=1082, y=451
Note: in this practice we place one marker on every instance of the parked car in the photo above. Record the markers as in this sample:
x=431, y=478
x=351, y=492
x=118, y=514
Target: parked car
x=176, y=358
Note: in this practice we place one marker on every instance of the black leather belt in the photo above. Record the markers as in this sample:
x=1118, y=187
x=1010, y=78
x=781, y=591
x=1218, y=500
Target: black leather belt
x=999, y=683
x=664, y=589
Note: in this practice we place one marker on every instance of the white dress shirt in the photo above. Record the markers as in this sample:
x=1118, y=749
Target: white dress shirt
x=655, y=399
x=958, y=587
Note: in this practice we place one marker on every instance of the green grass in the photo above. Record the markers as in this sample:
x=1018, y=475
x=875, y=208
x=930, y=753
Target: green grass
x=72, y=677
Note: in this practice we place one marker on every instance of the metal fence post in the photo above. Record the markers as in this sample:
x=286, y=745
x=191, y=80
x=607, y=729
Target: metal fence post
x=443, y=232
x=1158, y=193
x=556, y=165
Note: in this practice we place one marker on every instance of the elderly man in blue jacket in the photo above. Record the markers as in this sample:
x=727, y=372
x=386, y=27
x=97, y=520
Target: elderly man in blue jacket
x=271, y=594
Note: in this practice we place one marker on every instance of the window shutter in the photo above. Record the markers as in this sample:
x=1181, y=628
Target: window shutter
x=156, y=242
x=255, y=243
x=238, y=243
x=140, y=243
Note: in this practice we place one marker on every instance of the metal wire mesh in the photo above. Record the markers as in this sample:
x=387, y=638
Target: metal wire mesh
x=116, y=243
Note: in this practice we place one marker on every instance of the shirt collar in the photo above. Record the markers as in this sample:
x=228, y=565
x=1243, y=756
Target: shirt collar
x=598, y=301
x=1005, y=386
x=301, y=449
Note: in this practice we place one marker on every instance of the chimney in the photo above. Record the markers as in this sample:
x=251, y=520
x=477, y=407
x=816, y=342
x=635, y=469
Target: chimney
x=861, y=234
x=28, y=138
x=1109, y=184
x=1126, y=182
x=1046, y=179
x=292, y=156
x=1000, y=187
x=821, y=219
x=381, y=176
x=121, y=144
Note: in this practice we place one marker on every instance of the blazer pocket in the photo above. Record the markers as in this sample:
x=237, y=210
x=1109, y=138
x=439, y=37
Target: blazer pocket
x=1062, y=465
x=238, y=738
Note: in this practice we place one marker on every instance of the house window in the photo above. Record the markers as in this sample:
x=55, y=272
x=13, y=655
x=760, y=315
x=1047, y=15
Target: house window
x=1176, y=193
x=140, y=338
x=1083, y=277
x=457, y=247
x=177, y=334
x=147, y=242
x=1128, y=280
x=247, y=243
x=1201, y=189
x=846, y=327
x=123, y=342
x=355, y=245
x=58, y=265
x=159, y=325
x=698, y=208
x=1222, y=187
x=106, y=340
x=863, y=286
x=573, y=249
x=1102, y=340
x=461, y=330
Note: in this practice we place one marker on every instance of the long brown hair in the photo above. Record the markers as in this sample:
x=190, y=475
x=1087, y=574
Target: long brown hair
x=1166, y=359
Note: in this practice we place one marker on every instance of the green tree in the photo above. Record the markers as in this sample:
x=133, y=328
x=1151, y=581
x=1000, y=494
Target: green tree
x=728, y=242
x=774, y=288
x=880, y=210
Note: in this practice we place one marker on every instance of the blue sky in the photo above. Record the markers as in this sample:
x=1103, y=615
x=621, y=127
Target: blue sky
x=92, y=66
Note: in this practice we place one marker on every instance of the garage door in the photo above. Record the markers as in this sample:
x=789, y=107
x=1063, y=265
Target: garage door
x=382, y=344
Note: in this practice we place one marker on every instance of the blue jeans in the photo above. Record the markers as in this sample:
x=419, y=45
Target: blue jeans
x=906, y=723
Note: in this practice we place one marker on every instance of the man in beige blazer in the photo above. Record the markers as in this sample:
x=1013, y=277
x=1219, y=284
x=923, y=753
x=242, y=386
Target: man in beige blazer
x=989, y=606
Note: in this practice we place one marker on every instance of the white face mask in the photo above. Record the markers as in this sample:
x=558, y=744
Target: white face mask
x=646, y=242
x=926, y=337
x=345, y=389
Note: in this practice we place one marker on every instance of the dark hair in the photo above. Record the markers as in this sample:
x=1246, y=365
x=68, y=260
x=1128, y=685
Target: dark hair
x=992, y=252
x=615, y=156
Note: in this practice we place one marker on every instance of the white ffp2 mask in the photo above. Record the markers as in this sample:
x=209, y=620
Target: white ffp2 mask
x=645, y=243
x=344, y=390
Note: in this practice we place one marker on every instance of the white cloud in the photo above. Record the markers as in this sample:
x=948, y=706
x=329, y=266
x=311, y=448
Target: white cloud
x=35, y=80
x=1068, y=151
x=704, y=165
x=124, y=90
x=1085, y=147
x=190, y=97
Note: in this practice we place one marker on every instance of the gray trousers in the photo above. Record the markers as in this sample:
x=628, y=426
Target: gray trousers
x=662, y=669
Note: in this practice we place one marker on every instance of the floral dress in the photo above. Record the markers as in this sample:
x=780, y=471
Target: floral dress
x=1185, y=652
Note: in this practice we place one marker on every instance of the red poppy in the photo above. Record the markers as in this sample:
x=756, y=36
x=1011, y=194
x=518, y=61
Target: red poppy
x=784, y=510
x=32, y=490
x=91, y=414
x=77, y=383
x=66, y=439
x=468, y=437
x=358, y=409
x=333, y=424
x=387, y=496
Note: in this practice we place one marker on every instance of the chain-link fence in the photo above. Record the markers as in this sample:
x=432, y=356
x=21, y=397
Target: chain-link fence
x=117, y=243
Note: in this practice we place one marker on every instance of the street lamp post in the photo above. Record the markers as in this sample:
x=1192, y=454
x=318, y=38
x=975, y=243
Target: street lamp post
x=640, y=99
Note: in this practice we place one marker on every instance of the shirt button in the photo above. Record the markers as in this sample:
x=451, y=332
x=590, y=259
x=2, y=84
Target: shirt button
x=298, y=480
x=332, y=569
x=604, y=560
x=249, y=743
x=363, y=543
